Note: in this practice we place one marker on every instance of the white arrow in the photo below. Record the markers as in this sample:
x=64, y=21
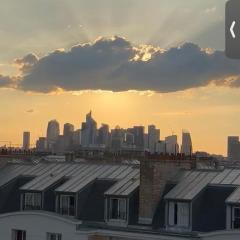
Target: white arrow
x=231, y=29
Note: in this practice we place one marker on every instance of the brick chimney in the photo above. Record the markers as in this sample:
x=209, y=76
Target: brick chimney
x=154, y=174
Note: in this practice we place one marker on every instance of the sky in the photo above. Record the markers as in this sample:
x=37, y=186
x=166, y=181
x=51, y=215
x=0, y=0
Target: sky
x=132, y=62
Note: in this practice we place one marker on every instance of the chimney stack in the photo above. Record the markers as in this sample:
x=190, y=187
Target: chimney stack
x=154, y=175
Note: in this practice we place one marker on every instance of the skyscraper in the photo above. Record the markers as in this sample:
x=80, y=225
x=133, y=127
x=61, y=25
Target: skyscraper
x=129, y=138
x=103, y=134
x=233, y=148
x=186, y=147
x=89, y=131
x=41, y=144
x=153, y=138
x=53, y=131
x=117, y=138
x=68, y=131
x=172, y=146
x=77, y=137
x=161, y=147
x=26, y=140
x=59, y=145
x=138, y=133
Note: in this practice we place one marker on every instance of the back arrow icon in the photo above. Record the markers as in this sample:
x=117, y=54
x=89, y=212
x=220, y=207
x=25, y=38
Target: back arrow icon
x=231, y=29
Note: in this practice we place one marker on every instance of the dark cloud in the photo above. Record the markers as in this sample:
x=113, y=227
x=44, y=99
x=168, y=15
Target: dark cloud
x=30, y=59
x=112, y=64
x=6, y=82
x=26, y=63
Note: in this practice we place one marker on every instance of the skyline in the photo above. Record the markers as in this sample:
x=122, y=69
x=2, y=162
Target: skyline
x=133, y=138
x=203, y=97
x=99, y=124
x=35, y=117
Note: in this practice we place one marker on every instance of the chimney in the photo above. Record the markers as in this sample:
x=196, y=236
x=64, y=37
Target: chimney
x=154, y=174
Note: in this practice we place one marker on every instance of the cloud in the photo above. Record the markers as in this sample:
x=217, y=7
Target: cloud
x=116, y=64
x=30, y=111
x=26, y=63
x=6, y=82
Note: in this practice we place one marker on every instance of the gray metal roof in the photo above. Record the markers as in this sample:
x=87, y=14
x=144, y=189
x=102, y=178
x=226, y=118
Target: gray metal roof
x=10, y=172
x=125, y=186
x=190, y=186
x=193, y=182
x=234, y=197
x=77, y=175
x=227, y=177
x=48, y=177
x=89, y=173
x=80, y=175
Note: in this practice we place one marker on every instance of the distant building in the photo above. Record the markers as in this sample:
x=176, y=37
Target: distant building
x=145, y=141
x=77, y=137
x=41, y=145
x=172, y=146
x=233, y=148
x=129, y=139
x=68, y=131
x=138, y=133
x=59, y=146
x=153, y=138
x=186, y=147
x=26, y=141
x=117, y=139
x=53, y=131
x=161, y=147
x=103, y=135
x=89, y=131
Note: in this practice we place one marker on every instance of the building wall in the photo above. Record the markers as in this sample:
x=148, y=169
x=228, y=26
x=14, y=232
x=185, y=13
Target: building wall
x=10, y=195
x=92, y=209
x=107, y=235
x=154, y=176
x=221, y=235
x=37, y=225
x=117, y=235
x=134, y=207
x=209, y=209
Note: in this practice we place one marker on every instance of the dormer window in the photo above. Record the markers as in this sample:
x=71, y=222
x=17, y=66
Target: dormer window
x=67, y=205
x=236, y=217
x=32, y=201
x=118, y=209
x=178, y=214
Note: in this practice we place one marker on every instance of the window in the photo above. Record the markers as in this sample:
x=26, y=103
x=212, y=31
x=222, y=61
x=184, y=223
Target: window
x=178, y=214
x=175, y=213
x=32, y=201
x=19, y=235
x=54, y=236
x=67, y=205
x=118, y=209
x=236, y=217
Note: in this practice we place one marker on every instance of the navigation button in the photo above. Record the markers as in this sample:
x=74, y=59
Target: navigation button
x=232, y=29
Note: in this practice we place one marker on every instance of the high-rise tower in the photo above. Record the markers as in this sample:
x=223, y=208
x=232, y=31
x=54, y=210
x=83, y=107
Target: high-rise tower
x=186, y=143
x=153, y=138
x=53, y=131
x=26, y=140
x=89, y=131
